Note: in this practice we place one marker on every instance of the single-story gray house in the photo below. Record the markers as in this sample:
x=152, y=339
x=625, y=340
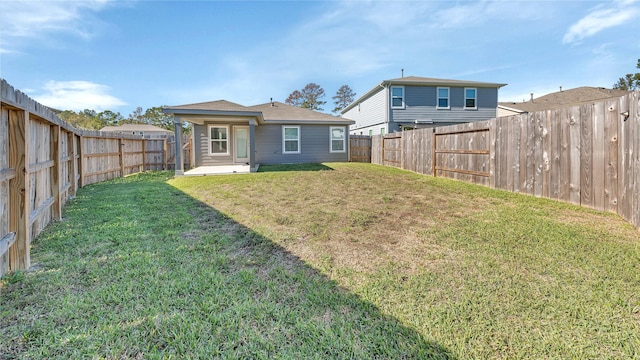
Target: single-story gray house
x=230, y=134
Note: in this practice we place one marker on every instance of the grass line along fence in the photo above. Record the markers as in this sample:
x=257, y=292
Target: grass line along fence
x=43, y=161
x=587, y=155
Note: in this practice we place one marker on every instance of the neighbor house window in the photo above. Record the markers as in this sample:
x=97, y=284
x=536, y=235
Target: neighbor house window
x=218, y=140
x=291, y=139
x=443, y=98
x=370, y=132
x=338, y=139
x=397, y=97
x=470, y=98
x=381, y=131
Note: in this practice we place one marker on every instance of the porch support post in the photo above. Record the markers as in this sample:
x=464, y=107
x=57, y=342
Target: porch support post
x=252, y=145
x=177, y=124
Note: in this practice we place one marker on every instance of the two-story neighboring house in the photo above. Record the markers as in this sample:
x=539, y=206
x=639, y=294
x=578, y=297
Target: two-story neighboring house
x=417, y=102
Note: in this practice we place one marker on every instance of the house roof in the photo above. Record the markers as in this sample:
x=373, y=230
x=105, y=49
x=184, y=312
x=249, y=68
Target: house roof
x=218, y=105
x=563, y=98
x=271, y=112
x=417, y=81
x=278, y=111
x=135, y=127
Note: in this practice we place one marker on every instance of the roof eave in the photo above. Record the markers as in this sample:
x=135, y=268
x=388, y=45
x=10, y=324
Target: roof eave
x=310, y=122
x=198, y=112
x=444, y=83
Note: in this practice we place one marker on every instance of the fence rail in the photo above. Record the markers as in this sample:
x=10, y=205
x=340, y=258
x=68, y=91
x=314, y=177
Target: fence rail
x=43, y=161
x=587, y=155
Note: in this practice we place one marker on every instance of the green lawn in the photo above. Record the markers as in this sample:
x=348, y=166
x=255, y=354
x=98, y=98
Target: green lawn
x=323, y=261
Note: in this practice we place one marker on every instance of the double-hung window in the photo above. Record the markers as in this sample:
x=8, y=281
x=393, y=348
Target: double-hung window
x=443, y=98
x=470, y=98
x=338, y=139
x=397, y=97
x=218, y=140
x=291, y=139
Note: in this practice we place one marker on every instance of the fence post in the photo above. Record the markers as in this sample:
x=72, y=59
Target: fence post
x=144, y=155
x=165, y=154
x=81, y=161
x=434, y=146
x=19, y=253
x=121, y=155
x=56, y=172
x=73, y=169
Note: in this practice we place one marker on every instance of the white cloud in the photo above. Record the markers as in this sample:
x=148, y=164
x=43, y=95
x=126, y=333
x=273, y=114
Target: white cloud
x=601, y=18
x=36, y=19
x=77, y=95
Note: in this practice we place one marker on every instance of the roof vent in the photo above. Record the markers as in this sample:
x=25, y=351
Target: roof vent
x=272, y=104
x=402, y=72
x=560, y=88
x=531, y=97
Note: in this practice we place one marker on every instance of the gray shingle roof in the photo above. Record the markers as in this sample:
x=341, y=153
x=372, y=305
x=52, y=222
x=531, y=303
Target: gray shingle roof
x=418, y=80
x=564, y=98
x=218, y=105
x=280, y=112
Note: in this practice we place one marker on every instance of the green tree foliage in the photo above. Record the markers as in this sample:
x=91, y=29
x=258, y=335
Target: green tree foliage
x=629, y=81
x=155, y=116
x=310, y=97
x=344, y=96
x=90, y=119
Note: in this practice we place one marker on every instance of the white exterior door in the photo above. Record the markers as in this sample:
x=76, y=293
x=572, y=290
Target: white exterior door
x=241, y=144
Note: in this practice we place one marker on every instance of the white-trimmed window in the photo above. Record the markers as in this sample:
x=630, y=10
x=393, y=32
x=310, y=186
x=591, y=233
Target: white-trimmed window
x=338, y=139
x=370, y=132
x=381, y=131
x=397, y=97
x=470, y=98
x=291, y=139
x=218, y=140
x=443, y=98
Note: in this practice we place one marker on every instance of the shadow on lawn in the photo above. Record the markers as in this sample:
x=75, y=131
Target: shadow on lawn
x=178, y=278
x=325, y=319
x=294, y=167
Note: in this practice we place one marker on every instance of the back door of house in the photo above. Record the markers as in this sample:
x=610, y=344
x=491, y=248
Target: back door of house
x=241, y=144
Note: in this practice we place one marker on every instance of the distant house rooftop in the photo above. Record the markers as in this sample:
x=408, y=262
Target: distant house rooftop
x=137, y=129
x=563, y=98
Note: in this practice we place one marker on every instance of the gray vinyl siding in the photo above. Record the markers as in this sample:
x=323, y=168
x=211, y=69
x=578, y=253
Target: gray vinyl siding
x=314, y=145
x=372, y=111
x=201, y=148
x=421, y=104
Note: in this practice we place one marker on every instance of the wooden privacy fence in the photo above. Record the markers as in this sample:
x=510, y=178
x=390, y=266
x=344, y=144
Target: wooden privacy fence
x=587, y=155
x=43, y=161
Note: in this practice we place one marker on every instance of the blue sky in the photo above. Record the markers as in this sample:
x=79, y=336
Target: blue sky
x=118, y=55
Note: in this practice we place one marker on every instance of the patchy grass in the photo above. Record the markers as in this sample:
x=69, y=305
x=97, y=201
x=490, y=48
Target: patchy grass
x=360, y=261
x=138, y=269
x=482, y=273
